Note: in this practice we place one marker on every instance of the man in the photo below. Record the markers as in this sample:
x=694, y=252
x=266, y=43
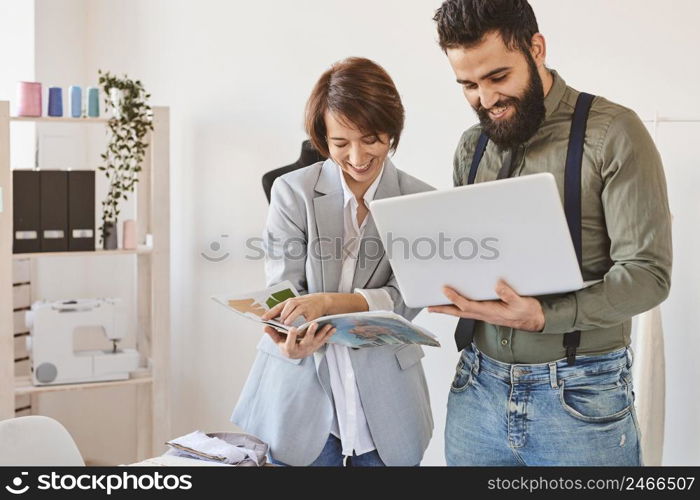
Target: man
x=547, y=379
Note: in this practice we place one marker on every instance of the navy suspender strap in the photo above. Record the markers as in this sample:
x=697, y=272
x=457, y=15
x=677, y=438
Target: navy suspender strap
x=572, y=198
x=572, y=208
x=478, y=155
x=572, y=174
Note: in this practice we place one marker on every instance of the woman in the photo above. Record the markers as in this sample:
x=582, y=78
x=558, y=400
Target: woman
x=316, y=403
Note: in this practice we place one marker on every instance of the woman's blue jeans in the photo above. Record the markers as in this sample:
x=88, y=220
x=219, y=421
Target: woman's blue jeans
x=332, y=456
x=542, y=414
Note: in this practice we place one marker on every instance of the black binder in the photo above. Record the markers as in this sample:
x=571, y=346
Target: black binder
x=81, y=210
x=54, y=210
x=25, y=209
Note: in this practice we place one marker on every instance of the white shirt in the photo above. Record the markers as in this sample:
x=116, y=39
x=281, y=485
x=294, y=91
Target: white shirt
x=351, y=425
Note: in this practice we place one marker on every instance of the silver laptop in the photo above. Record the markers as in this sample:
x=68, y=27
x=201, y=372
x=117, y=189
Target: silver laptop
x=469, y=237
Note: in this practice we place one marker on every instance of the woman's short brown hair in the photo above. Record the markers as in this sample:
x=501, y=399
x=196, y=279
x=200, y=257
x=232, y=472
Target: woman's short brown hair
x=359, y=91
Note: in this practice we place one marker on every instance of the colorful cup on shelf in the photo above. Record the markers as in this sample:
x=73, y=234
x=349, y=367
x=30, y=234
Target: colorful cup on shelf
x=76, y=101
x=93, y=102
x=55, y=101
x=129, y=235
x=29, y=99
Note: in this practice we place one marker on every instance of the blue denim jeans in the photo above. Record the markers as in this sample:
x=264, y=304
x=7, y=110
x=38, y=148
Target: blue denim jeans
x=332, y=456
x=542, y=414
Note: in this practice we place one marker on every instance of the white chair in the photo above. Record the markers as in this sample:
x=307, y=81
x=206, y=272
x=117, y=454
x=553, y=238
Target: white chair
x=37, y=441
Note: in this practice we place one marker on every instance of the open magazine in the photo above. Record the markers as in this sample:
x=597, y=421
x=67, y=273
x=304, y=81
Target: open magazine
x=363, y=329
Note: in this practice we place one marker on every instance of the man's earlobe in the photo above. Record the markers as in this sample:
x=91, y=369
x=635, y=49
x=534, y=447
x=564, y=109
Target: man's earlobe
x=538, y=47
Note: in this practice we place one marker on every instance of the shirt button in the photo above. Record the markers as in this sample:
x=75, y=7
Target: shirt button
x=504, y=342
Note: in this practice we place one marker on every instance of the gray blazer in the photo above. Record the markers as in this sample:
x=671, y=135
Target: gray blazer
x=288, y=403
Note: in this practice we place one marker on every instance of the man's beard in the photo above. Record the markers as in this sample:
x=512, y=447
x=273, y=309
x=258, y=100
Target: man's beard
x=529, y=114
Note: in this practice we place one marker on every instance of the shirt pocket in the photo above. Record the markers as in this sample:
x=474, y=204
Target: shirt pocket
x=409, y=355
x=598, y=398
x=268, y=346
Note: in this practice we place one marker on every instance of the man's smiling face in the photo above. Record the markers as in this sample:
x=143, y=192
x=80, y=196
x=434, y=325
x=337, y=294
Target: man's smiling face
x=504, y=87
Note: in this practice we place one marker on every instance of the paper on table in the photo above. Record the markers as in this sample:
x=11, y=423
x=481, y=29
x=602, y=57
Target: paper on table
x=200, y=445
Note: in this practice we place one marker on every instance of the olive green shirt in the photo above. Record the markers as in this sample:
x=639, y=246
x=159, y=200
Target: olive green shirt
x=626, y=227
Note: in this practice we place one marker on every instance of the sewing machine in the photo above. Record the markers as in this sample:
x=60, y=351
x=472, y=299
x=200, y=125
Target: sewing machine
x=50, y=344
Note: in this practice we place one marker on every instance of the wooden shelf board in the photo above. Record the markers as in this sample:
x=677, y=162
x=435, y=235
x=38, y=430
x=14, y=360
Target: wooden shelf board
x=90, y=253
x=23, y=385
x=57, y=119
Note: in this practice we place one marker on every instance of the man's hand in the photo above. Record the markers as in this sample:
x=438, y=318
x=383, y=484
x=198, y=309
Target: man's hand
x=311, y=306
x=310, y=343
x=514, y=311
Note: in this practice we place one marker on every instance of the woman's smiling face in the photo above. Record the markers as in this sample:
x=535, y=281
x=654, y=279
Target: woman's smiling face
x=359, y=155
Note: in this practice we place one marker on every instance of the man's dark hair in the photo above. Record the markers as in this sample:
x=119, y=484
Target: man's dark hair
x=463, y=23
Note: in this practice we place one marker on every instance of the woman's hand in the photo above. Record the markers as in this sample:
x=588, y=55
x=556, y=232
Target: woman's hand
x=315, y=305
x=311, y=306
x=310, y=343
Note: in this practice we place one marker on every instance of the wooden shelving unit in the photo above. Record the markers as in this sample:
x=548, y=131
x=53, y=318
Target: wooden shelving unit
x=97, y=253
x=23, y=385
x=152, y=287
x=56, y=119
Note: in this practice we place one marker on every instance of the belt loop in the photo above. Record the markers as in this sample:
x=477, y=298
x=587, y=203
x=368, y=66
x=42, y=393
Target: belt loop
x=553, y=375
x=630, y=357
x=477, y=361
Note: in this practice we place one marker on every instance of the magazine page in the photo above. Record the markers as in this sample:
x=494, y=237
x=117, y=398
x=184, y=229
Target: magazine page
x=253, y=305
x=375, y=328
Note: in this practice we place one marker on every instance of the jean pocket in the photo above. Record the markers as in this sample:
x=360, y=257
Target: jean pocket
x=463, y=376
x=597, y=403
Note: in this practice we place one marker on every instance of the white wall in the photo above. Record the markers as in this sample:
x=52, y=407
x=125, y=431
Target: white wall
x=17, y=64
x=680, y=311
x=237, y=74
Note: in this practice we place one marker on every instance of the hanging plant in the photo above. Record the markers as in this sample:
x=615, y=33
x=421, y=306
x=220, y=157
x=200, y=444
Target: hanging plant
x=131, y=119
